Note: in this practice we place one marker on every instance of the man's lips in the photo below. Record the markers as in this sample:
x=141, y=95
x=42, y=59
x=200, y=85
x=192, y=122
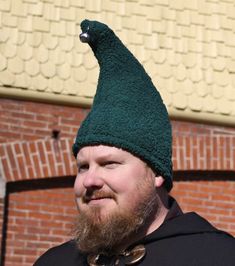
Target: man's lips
x=93, y=199
x=96, y=197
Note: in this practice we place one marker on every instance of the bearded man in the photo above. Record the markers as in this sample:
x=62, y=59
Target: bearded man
x=123, y=152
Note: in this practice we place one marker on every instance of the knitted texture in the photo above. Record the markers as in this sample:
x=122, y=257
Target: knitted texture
x=128, y=111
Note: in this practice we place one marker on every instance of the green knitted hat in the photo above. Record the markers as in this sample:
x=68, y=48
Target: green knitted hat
x=127, y=112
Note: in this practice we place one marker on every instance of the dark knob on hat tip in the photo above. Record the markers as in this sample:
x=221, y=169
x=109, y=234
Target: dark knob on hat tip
x=84, y=37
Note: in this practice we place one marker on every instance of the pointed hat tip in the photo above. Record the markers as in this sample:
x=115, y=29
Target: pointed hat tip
x=92, y=30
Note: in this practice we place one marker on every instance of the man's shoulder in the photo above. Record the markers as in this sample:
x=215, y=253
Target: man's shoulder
x=66, y=252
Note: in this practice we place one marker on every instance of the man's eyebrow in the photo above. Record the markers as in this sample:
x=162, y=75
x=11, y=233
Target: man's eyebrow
x=108, y=156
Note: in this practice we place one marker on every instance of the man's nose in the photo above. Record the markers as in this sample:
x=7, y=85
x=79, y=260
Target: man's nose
x=93, y=179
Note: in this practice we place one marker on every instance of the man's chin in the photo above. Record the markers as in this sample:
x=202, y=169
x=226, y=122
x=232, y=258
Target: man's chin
x=96, y=213
x=105, y=205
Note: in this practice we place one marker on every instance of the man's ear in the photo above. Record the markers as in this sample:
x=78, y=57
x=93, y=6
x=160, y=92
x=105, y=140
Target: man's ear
x=159, y=180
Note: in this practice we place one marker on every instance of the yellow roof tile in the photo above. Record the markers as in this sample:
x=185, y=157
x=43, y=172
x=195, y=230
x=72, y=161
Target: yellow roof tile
x=189, y=59
x=51, y=12
x=196, y=18
x=195, y=102
x=89, y=61
x=5, y=6
x=50, y=41
x=68, y=13
x=208, y=76
x=224, y=106
x=23, y=80
x=3, y=62
x=217, y=92
x=40, y=83
x=66, y=44
x=219, y=63
x=71, y=28
x=173, y=58
x=25, y=24
x=57, y=56
x=36, y=8
x=34, y=39
x=168, y=14
x=179, y=101
x=191, y=5
x=71, y=87
x=201, y=89
x=177, y=4
x=171, y=85
x=74, y=59
x=56, y=84
x=135, y=38
x=19, y=8
x=183, y=18
x=213, y=22
x=48, y=69
x=159, y=26
x=186, y=87
x=9, y=20
x=8, y=49
x=25, y=51
x=7, y=78
x=151, y=42
x=61, y=3
x=165, y=70
x=58, y=29
x=209, y=104
x=91, y=5
x=159, y=56
x=42, y=54
x=17, y=37
x=80, y=74
x=143, y=54
x=16, y=65
x=180, y=72
x=229, y=92
x=195, y=74
x=32, y=67
x=64, y=71
x=230, y=63
x=221, y=78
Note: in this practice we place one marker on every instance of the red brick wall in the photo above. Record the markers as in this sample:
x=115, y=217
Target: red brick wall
x=38, y=219
x=1, y=219
x=214, y=200
x=27, y=152
x=20, y=120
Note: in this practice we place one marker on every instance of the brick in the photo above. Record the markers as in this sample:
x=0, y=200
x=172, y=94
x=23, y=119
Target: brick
x=52, y=164
x=37, y=166
x=41, y=151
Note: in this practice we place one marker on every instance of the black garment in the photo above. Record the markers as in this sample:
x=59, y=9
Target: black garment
x=182, y=240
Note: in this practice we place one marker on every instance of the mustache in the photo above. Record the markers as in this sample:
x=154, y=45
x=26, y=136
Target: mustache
x=97, y=194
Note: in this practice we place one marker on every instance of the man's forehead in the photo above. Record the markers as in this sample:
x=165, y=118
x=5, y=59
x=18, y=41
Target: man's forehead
x=101, y=151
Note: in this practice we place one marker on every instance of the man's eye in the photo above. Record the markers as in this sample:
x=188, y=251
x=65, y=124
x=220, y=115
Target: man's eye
x=82, y=168
x=110, y=164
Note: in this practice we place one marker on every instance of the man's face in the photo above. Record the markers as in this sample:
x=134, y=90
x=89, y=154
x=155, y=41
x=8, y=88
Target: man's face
x=115, y=195
x=109, y=179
